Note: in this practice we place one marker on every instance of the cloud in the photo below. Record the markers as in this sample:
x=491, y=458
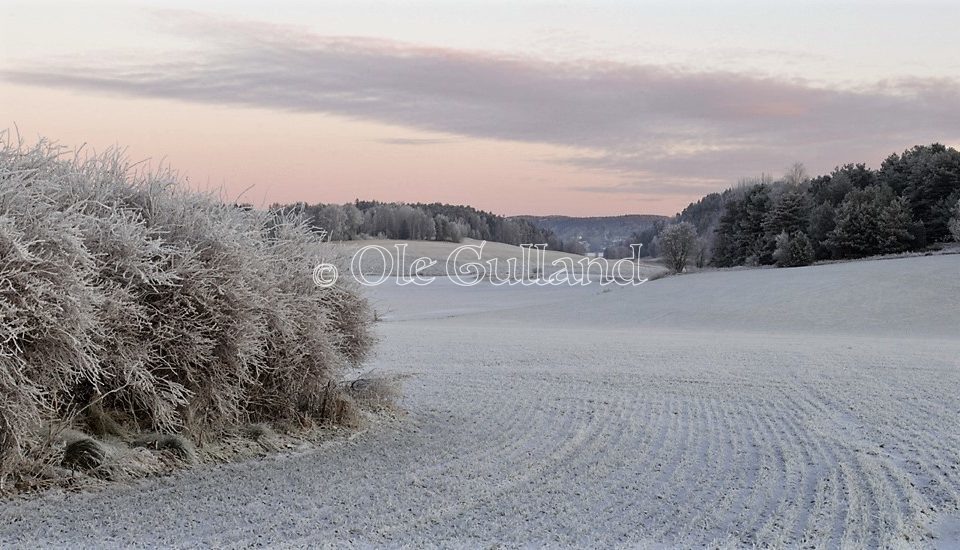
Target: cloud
x=648, y=123
x=415, y=141
x=650, y=187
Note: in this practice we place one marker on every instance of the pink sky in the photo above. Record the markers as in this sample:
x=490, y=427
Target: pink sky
x=267, y=156
x=586, y=109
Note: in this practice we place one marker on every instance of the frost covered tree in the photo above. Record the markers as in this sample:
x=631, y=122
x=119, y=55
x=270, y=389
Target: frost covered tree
x=871, y=221
x=822, y=221
x=434, y=221
x=677, y=244
x=851, y=212
x=790, y=214
x=741, y=235
x=955, y=223
x=332, y=218
x=793, y=250
x=796, y=175
x=928, y=176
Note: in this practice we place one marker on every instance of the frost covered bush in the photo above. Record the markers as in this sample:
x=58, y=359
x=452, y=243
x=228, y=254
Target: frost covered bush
x=126, y=297
x=677, y=243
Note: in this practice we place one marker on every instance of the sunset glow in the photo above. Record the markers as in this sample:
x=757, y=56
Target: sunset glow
x=586, y=109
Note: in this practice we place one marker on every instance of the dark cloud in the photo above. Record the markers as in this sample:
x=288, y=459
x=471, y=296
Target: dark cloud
x=661, y=124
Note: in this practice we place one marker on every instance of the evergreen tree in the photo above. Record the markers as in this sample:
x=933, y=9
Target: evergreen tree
x=829, y=189
x=751, y=233
x=822, y=222
x=793, y=249
x=894, y=227
x=728, y=248
x=928, y=176
x=871, y=221
x=955, y=223
x=791, y=213
x=857, y=175
x=740, y=236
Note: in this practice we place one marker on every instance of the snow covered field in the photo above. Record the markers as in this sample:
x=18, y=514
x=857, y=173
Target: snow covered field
x=806, y=407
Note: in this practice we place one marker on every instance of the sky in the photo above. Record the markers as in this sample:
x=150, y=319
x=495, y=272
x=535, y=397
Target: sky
x=520, y=107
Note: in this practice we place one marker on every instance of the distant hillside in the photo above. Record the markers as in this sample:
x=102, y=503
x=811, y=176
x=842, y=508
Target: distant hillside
x=422, y=222
x=596, y=232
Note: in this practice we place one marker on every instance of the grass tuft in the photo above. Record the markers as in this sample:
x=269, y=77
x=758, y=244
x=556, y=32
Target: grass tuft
x=177, y=445
x=257, y=431
x=83, y=453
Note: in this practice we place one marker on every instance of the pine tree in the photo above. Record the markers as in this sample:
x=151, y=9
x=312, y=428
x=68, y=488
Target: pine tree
x=893, y=233
x=754, y=241
x=790, y=214
x=871, y=221
x=928, y=176
x=727, y=249
x=741, y=237
x=822, y=222
x=955, y=223
x=793, y=249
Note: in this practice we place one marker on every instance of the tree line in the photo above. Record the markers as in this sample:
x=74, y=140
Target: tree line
x=427, y=222
x=910, y=203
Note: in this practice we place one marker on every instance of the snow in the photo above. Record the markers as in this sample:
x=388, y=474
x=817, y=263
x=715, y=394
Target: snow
x=803, y=407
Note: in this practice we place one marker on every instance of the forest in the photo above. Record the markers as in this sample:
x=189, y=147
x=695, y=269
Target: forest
x=911, y=203
x=430, y=222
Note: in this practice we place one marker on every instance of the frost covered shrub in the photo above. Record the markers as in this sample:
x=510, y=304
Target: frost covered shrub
x=677, y=243
x=124, y=295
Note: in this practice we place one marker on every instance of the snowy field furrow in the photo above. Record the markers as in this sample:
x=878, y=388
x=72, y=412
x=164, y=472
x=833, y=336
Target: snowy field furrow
x=812, y=407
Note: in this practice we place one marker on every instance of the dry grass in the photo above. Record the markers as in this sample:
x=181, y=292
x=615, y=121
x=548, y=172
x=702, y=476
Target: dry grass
x=257, y=431
x=81, y=452
x=130, y=304
x=176, y=445
x=376, y=391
